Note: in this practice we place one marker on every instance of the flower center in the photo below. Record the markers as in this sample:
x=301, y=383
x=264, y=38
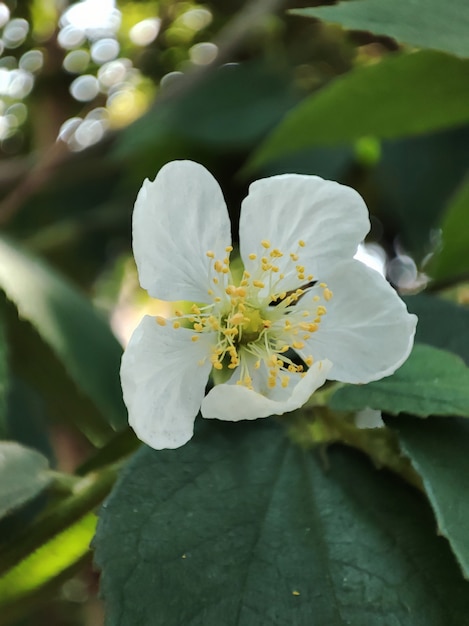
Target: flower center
x=257, y=322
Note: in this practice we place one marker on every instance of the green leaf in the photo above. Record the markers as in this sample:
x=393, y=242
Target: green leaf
x=441, y=324
x=24, y=474
x=431, y=382
x=453, y=258
x=232, y=107
x=68, y=323
x=438, y=449
x=242, y=528
x=420, y=23
x=412, y=183
x=405, y=94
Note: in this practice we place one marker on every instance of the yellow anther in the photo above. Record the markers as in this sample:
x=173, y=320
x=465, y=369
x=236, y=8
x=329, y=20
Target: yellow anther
x=224, y=270
x=257, y=364
x=244, y=283
x=271, y=382
x=274, y=268
x=215, y=280
x=310, y=277
x=176, y=324
x=300, y=269
x=321, y=310
x=258, y=283
x=293, y=256
x=246, y=274
x=284, y=348
x=298, y=345
x=217, y=365
x=229, y=249
x=230, y=332
x=217, y=299
x=265, y=243
x=305, y=313
x=276, y=254
x=178, y=313
x=236, y=319
x=198, y=327
x=266, y=323
x=253, y=256
x=316, y=299
x=160, y=320
x=285, y=381
x=301, y=276
x=195, y=309
x=282, y=276
x=323, y=285
x=226, y=261
x=210, y=254
x=195, y=338
x=230, y=290
x=241, y=292
x=301, y=243
x=327, y=294
x=309, y=361
x=218, y=265
x=210, y=292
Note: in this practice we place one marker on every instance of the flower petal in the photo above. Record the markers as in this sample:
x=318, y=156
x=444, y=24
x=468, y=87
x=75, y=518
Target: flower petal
x=330, y=218
x=232, y=402
x=162, y=382
x=367, y=332
x=177, y=218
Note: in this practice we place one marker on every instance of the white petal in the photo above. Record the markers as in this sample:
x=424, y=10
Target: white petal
x=231, y=402
x=177, y=218
x=330, y=218
x=163, y=384
x=367, y=332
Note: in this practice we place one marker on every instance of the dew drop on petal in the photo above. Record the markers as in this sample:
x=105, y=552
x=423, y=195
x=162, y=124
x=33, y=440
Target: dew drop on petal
x=89, y=132
x=203, y=53
x=4, y=14
x=76, y=61
x=84, y=88
x=15, y=32
x=31, y=61
x=104, y=50
x=68, y=128
x=70, y=37
x=170, y=78
x=144, y=32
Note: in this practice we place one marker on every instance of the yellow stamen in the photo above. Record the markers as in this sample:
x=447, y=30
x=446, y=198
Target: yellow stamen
x=160, y=320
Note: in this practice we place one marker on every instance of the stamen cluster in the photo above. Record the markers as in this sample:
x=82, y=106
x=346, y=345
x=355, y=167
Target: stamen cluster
x=256, y=322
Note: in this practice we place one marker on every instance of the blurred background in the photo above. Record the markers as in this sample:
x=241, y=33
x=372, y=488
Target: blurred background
x=95, y=96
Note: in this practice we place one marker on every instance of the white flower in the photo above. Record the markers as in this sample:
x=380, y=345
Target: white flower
x=303, y=310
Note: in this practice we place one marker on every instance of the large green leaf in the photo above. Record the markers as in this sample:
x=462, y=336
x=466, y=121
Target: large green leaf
x=431, y=382
x=441, y=324
x=453, y=258
x=68, y=323
x=421, y=23
x=24, y=473
x=405, y=94
x=241, y=527
x=438, y=449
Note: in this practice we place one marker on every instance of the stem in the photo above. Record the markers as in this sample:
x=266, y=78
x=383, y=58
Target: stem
x=321, y=425
x=86, y=495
